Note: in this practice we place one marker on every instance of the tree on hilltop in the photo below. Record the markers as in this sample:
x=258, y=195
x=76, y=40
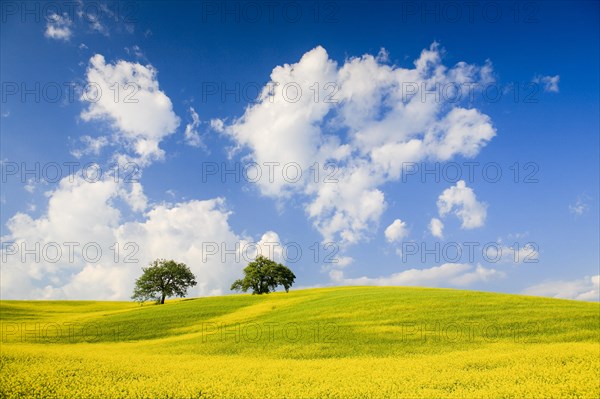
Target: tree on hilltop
x=162, y=279
x=263, y=276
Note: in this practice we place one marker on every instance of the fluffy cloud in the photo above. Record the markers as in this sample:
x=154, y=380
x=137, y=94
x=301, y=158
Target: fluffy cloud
x=585, y=289
x=191, y=134
x=269, y=245
x=396, y=231
x=446, y=275
x=58, y=27
x=128, y=97
x=284, y=126
x=88, y=214
x=346, y=209
x=463, y=201
x=436, y=227
x=367, y=118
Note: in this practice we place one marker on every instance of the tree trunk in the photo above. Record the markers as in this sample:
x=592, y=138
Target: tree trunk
x=162, y=299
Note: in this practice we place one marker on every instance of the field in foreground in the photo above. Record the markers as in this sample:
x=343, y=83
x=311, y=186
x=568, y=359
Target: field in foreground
x=348, y=342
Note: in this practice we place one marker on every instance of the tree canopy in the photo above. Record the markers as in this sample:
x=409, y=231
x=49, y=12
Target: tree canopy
x=263, y=276
x=162, y=279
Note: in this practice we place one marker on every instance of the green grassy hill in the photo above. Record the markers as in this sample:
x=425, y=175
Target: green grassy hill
x=335, y=342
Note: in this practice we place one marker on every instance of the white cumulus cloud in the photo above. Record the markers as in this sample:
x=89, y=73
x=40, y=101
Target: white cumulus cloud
x=128, y=97
x=58, y=27
x=446, y=275
x=436, y=227
x=396, y=231
x=585, y=289
x=364, y=116
x=86, y=213
x=462, y=201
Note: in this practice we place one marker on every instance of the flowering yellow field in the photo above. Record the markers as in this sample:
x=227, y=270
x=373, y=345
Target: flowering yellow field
x=325, y=343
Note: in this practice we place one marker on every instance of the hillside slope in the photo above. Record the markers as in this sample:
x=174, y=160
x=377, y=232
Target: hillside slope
x=334, y=342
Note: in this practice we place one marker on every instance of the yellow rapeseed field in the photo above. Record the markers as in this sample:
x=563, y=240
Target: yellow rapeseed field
x=359, y=342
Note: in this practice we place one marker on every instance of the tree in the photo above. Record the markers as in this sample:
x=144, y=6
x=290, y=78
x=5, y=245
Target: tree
x=163, y=278
x=263, y=276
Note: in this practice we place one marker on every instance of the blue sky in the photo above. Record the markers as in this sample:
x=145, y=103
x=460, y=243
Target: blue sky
x=180, y=58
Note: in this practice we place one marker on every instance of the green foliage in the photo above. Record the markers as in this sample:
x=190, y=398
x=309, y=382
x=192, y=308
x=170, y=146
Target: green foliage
x=263, y=276
x=162, y=279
